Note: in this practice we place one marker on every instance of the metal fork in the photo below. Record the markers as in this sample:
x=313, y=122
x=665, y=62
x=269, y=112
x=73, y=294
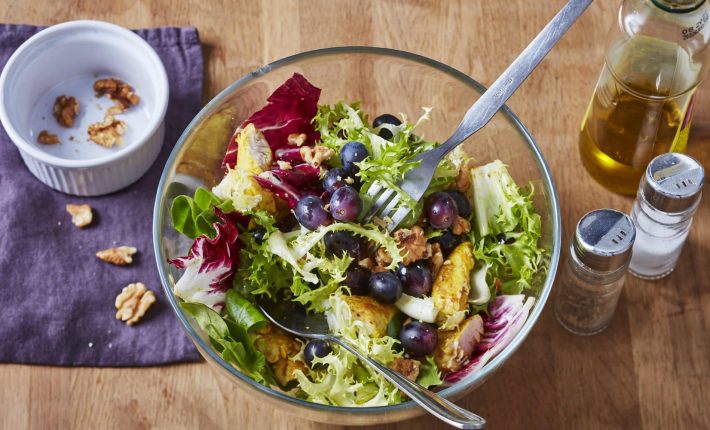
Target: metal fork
x=386, y=200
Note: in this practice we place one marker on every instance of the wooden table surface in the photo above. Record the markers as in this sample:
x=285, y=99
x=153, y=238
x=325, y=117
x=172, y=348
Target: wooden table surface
x=650, y=369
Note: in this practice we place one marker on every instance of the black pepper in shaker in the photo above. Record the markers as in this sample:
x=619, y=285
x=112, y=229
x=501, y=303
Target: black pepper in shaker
x=591, y=282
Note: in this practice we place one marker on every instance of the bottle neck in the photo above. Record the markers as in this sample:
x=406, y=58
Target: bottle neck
x=678, y=6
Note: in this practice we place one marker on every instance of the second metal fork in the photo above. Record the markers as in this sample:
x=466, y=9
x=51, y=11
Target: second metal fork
x=386, y=201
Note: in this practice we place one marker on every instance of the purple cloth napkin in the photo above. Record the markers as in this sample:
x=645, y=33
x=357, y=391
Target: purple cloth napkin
x=56, y=297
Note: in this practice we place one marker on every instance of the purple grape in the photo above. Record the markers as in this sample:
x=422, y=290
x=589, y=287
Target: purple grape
x=418, y=338
x=316, y=348
x=385, y=287
x=310, y=213
x=345, y=204
x=334, y=179
x=416, y=278
x=351, y=153
x=441, y=210
x=338, y=243
x=358, y=280
x=385, y=119
x=462, y=204
x=447, y=241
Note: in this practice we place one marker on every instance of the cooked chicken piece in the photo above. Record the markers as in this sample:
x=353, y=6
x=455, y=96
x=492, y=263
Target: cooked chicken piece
x=238, y=185
x=284, y=370
x=374, y=314
x=278, y=348
x=455, y=347
x=407, y=367
x=452, y=284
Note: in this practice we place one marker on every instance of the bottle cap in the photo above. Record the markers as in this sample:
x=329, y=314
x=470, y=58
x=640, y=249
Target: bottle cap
x=673, y=182
x=603, y=240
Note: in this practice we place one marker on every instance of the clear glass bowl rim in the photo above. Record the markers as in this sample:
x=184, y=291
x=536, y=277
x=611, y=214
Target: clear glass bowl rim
x=452, y=391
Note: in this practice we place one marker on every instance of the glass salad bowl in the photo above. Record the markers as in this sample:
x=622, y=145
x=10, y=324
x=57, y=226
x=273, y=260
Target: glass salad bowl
x=385, y=81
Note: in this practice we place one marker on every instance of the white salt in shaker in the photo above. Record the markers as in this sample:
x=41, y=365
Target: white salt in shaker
x=667, y=198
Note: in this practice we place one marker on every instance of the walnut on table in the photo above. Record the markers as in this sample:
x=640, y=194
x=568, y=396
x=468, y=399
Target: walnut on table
x=107, y=133
x=47, y=138
x=120, y=256
x=133, y=303
x=81, y=215
x=65, y=110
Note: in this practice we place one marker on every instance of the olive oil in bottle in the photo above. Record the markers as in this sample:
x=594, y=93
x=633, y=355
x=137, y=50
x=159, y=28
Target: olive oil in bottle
x=643, y=102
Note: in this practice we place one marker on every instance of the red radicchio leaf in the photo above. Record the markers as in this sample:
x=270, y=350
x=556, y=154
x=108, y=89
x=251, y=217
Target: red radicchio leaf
x=289, y=110
x=210, y=265
x=506, y=316
x=291, y=155
x=281, y=188
x=303, y=175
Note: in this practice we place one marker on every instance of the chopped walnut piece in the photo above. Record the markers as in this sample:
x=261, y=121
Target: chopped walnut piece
x=463, y=179
x=460, y=226
x=47, y=138
x=81, y=215
x=382, y=257
x=296, y=139
x=437, y=259
x=65, y=110
x=378, y=269
x=117, y=90
x=133, y=302
x=120, y=256
x=316, y=155
x=107, y=133
x=412, y=244
x=284, y=165
x=366, y=263
x=407, y=367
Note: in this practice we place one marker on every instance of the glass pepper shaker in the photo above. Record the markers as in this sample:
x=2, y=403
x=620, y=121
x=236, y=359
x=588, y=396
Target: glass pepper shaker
x=592, y=280
x=667, y=198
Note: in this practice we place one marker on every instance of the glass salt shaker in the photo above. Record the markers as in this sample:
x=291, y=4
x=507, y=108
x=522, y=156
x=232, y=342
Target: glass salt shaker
x=667, y=198
x=592, y=280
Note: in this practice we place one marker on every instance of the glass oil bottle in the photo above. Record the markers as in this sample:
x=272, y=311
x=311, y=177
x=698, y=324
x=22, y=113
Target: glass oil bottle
x=643, y=102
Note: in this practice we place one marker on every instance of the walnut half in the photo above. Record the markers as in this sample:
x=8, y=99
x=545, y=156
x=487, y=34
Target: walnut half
x=413, y=245
x=107, y=133
x=316, y=155
x=118, y=91
x=47, y=138
x=133, y=302
x=120, y=256
x=81, y=215
x=65, y=110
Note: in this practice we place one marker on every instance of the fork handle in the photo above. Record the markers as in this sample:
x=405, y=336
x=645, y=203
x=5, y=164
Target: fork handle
x=497, y=94
x=432, y=402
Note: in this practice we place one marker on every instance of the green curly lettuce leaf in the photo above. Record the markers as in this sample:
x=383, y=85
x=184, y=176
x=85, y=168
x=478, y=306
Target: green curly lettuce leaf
x=504, y=211
x=390, y=159
x=345, y=381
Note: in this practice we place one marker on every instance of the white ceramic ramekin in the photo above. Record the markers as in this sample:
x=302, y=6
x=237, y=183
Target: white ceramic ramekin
x=66, y=59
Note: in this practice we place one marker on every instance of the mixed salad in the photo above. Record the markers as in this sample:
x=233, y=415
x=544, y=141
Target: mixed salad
x=435, y=300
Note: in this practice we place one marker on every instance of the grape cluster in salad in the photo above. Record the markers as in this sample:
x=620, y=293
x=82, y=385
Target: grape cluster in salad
x=435, y=300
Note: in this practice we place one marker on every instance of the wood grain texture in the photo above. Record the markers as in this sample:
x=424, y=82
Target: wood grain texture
x=650, y=369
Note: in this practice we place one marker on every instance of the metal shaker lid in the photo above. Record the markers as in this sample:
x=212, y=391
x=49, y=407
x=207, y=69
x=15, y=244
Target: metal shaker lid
x=673, y=182
x=603, y=239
